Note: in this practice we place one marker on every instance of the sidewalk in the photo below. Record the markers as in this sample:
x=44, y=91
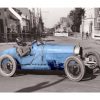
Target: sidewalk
x=8, y=43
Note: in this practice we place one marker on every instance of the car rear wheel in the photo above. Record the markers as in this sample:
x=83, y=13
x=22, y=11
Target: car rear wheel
x=74, y=68
x=7, y=65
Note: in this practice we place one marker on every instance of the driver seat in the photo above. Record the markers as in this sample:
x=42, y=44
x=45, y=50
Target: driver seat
x=23, y=49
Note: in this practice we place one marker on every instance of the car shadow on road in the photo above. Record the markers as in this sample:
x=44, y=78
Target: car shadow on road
x=88, y=76
x=40, y=86
x=91, y=75
x=59, y=73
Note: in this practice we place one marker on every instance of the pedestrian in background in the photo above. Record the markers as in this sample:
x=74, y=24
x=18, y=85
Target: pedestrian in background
x=87, y=35
x=82, y=35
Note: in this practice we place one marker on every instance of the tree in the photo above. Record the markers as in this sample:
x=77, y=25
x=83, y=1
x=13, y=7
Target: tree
x=69, y=22
x=76, y=17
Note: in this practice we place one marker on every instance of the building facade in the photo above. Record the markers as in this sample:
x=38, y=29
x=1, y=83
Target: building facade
x=13, y=22
x=91, y=22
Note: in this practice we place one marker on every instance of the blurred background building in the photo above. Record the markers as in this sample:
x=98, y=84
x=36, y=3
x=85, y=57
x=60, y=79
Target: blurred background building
x=63, y=26
x=91, y=22
x=22, y=22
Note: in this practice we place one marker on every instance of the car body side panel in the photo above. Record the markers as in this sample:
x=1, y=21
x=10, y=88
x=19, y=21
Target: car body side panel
x=43, y=57
x=38, y=61
x=56, y=54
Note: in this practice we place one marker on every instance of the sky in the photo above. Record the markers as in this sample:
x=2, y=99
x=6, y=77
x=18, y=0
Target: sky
x=52, y=15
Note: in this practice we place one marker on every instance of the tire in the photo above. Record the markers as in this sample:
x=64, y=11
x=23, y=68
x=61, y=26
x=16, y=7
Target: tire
x=70, y=70
x=7, y=65
x=94, y=54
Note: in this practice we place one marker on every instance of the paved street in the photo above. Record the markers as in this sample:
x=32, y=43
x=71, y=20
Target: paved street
x=51, y=81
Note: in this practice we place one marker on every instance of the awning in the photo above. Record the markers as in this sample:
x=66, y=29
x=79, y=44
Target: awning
x=13, y=14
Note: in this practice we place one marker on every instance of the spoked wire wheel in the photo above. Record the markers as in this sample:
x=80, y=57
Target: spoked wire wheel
x=7, y=65
x=74, y=68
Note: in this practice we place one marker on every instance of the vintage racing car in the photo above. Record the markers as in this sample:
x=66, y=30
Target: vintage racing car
x=45, y=56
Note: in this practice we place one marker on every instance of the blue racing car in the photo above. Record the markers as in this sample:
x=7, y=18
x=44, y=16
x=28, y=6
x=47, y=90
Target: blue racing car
x=44, y=56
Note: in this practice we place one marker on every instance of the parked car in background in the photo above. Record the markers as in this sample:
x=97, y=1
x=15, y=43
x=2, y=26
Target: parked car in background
x=61, y=34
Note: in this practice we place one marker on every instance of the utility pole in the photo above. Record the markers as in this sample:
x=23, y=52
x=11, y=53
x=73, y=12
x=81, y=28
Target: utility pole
x=30, y=20
x=33, y=18
x=34, y=28
x=37, y=27
x=6, y=24
x=37, y=24
x=82, y=27
x=82, y=23
x=41, y=22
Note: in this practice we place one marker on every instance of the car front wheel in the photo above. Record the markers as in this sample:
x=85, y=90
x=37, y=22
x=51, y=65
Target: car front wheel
x=7, y=65
x=93, y=59
x=74, y=68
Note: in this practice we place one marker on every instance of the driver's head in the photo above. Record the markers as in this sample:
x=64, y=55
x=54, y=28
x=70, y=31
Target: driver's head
x=19, y=40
